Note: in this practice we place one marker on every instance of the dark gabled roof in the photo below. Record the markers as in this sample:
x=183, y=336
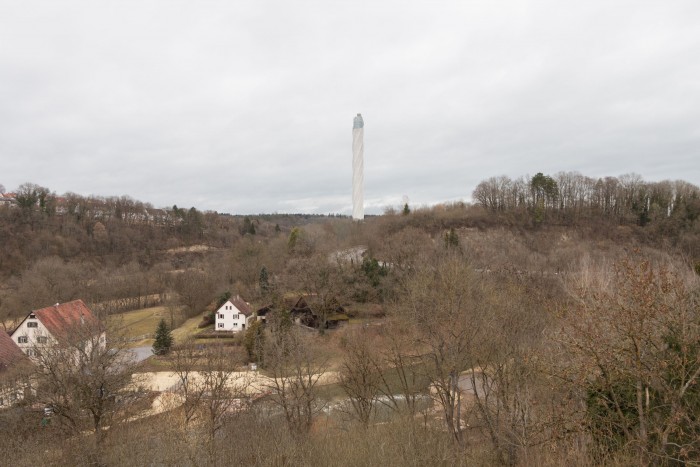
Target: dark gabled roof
x=301, y=306
x=241, y=304
x=10, y=353
x=61, y=319
x=308, y=303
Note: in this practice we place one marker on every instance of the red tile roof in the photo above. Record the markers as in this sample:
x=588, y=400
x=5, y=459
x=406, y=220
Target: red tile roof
x=10, y=353
x=59, y=319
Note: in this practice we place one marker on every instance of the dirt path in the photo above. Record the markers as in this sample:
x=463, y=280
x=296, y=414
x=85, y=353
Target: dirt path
x=248, y=382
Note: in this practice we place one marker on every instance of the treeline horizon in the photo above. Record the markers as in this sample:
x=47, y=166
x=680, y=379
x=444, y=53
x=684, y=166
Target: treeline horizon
x=103, y=252
x=568, y=196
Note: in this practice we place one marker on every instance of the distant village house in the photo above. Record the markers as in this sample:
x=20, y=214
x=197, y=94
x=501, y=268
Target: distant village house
x=60, y=322
x=305, y=311
x=233, y=315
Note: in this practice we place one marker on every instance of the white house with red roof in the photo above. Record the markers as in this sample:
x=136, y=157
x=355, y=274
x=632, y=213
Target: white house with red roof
x=233, y=315
x=69, y=321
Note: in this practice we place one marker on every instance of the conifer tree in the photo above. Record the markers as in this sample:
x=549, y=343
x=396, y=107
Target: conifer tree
x=451, y=239
x=164, y=339
x=264, y=281
x=254, y=341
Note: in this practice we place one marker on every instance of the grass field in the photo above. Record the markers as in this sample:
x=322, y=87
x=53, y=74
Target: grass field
x=187, y=329
x=140, y=325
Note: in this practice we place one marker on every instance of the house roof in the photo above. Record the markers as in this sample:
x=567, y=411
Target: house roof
x=10, y=353
x=59, y=319
x=304, y=304
x=308, y=303
x=241, y=304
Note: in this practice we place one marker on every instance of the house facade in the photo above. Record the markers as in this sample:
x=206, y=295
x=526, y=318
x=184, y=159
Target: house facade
x=47, y=326
x=15, y=371
x=233, y=316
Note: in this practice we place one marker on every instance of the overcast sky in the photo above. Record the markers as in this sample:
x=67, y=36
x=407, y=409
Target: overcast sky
x=247, y=106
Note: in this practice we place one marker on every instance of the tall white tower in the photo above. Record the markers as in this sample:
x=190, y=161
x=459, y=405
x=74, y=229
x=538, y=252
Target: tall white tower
x=358, y=149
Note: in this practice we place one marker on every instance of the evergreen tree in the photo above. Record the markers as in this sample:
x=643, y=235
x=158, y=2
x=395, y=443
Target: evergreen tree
x=248, y=226
x=451, y=239
x=164, y=339
x=406, y=210
x=254, y=341
x=293, y=238
x=264, y=281
x=223, y=298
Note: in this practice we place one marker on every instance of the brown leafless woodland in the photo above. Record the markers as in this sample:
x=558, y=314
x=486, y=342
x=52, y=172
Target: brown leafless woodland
x=559, y=326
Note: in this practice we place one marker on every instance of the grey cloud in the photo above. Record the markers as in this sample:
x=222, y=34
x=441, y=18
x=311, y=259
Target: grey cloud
x=248, y=108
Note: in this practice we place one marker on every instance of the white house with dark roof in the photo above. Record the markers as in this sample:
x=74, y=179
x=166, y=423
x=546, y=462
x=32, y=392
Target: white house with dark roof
x=233, y=315
x=69, y=321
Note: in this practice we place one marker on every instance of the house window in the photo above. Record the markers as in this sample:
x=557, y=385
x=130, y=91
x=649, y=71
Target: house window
x=22, y=340
x=30, y=352
x=221, y=316
x=235, y=325
x=221, y=325
x=235, y=316
x=42, y=339
x=32, y=324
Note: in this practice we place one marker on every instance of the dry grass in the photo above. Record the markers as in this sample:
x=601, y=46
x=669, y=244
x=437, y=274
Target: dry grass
x=138, y=323
x=187, y=330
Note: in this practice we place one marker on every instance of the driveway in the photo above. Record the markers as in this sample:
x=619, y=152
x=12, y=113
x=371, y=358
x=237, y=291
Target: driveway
x=140, y=354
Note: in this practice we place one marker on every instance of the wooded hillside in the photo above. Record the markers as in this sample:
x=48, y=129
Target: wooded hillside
x=554, y=321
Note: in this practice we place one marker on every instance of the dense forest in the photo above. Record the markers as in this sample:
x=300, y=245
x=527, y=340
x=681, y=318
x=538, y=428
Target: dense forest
x=554, y=320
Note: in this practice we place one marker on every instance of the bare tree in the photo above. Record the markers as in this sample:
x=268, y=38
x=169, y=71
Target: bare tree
x=400, y=362
x=223, y=388
x=295, y=370
x=195, y=289
x=471, y=334
x=360, y=376
x=85, y=380
x=210, y=390
x=632, y=344
x=440, y=302
x=185, y=359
